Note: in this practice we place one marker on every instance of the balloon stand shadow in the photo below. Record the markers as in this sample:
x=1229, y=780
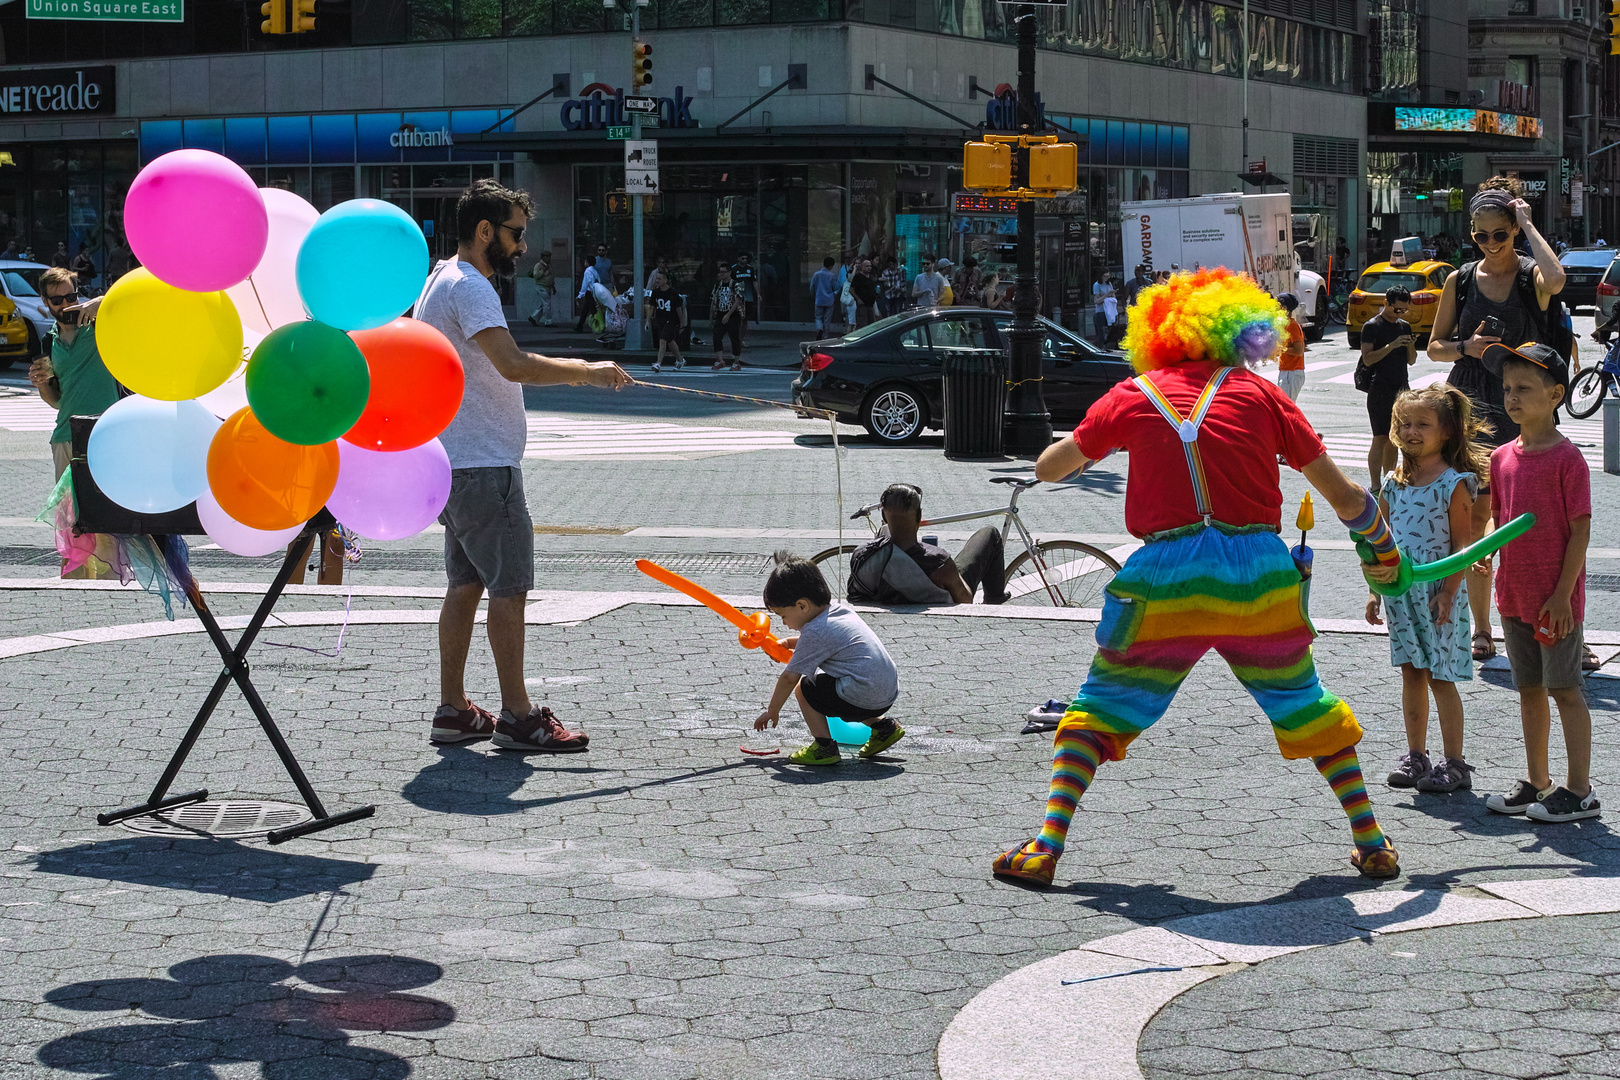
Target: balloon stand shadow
x=104, y=516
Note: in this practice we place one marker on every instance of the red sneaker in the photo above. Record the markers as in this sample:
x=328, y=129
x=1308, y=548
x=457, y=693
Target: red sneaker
x=453, y=725
x=540, y=730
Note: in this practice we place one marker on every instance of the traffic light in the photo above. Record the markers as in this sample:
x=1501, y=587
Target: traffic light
x=1054, y=167
x=1611, y=26
x=987, y=166
x=640, y=63
x=275, y=13
x=303, y=17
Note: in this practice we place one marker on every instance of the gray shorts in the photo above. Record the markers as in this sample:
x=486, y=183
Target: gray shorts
x=1557, y=667
x=488, y=535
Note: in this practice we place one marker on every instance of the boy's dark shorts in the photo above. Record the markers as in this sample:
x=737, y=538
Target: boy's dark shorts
x=1557, y=667
x=488, y=535
x=821, y=691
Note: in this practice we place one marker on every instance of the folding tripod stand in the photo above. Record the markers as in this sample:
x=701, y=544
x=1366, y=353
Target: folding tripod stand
x=236, y=670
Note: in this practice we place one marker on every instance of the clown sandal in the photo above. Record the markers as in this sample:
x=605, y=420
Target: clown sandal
x=1026, y=863
x=1378, y=863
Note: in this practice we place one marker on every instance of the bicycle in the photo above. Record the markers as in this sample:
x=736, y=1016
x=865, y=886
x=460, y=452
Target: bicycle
x=1338, y=309
x=1063, y=573
x=1586, y=393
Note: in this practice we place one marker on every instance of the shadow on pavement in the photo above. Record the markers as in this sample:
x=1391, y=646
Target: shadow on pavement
x=467, y=781
x=443, y=793
x=245, y=1008
x=809, y=776
x=221, y=867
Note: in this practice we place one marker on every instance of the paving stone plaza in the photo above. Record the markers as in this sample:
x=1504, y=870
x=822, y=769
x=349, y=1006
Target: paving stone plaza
x=667, y=907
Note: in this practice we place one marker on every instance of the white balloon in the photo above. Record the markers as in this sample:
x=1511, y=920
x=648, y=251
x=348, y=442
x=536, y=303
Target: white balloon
x=235, y=537
x=269, y=297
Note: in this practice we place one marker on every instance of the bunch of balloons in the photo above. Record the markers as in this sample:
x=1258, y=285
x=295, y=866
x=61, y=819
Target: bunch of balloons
x=340, y=399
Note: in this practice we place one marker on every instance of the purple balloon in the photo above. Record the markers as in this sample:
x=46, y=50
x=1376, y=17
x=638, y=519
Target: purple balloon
x=387, y=495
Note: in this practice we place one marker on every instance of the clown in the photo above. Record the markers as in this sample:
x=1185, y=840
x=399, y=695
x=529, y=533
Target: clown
x=1204, y=435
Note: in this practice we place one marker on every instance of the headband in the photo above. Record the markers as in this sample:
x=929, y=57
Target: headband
x=1491, y=199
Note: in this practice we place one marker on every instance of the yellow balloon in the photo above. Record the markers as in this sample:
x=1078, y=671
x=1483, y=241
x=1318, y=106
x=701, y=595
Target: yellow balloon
x=166, y=343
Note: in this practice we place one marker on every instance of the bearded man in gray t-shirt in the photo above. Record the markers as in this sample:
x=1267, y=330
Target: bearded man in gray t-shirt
x=488, y=536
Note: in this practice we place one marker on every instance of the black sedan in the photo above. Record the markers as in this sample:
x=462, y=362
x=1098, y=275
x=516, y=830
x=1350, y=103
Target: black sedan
x=886, y=376
x=1583, y=272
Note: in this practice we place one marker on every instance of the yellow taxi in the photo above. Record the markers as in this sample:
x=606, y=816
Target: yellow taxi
x=1424, y=279
x=13, y=334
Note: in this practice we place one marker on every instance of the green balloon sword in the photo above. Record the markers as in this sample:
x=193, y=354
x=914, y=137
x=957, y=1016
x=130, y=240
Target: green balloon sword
x=1410, y=574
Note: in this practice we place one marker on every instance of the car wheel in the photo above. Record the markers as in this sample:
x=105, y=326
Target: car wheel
x=1319, y=324
x=895, y=415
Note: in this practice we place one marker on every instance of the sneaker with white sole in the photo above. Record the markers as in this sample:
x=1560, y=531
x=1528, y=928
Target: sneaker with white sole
x=540, y=730
x=1565, y=805
x=1518, y=800
x=453, y=725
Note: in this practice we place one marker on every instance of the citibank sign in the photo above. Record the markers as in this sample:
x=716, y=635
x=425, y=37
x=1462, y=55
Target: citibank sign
x=410, y=136
x=600, y=106
x=58, y=91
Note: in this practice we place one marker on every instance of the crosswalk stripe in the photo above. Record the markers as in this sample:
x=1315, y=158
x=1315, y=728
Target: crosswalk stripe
x=1349, y=448
x=560, y=438
x=26, y=412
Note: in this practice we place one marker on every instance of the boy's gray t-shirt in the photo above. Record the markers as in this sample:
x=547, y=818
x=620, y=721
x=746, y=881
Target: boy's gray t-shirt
x=839, y=642
x=490, y=430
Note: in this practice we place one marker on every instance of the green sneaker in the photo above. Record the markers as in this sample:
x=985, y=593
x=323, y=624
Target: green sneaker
x=879, y=743
x=815, y=755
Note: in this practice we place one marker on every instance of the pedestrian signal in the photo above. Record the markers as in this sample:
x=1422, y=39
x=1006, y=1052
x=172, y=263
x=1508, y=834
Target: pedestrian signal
x=275, y=17
x=987, y=166
x=1054, y=167
x=617, y=204
x=640, y=63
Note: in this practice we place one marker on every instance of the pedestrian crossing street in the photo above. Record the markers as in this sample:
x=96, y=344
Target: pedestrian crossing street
x=1349, y=448
x=562, y=438
x=24, y=411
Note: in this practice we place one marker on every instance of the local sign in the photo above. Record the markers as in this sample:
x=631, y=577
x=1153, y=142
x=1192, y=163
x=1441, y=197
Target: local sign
x=109, y=10
x=640, y=167
x=57, y=91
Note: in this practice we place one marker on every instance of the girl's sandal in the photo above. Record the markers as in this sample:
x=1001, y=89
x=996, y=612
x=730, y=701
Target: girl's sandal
x=1377, y=862
x=1484, y=647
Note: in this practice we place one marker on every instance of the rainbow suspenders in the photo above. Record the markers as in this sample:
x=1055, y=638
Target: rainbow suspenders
x=1187, y=428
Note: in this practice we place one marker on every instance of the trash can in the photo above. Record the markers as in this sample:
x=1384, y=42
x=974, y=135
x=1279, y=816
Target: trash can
x=975, y=399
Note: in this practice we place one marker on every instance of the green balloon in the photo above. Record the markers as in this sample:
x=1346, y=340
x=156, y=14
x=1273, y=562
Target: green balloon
x=308, y=383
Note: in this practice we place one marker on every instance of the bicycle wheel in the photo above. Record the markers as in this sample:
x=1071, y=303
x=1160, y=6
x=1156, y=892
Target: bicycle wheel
x=1075, y=573
x=834, y=563
x=1586, y=393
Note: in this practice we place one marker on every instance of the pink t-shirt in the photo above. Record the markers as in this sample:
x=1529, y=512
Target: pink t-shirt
x=1555, y=485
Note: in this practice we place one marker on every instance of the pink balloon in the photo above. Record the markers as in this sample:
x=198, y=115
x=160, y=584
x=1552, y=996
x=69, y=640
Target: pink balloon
x=235, y=537
x=269, y=297
x=389, y=496
x=196, y=220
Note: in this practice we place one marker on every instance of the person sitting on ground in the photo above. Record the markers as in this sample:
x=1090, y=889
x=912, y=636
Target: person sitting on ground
x=898, y=568
x=839, y=667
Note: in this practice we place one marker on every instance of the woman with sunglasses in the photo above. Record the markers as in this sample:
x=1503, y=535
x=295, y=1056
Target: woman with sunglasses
x=1492, y=291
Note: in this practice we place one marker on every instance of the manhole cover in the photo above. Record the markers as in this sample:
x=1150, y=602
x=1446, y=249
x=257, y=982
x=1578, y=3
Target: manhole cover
x=236, y=817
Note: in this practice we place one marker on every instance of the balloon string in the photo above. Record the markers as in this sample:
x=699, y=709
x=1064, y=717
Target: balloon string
x=254, y=285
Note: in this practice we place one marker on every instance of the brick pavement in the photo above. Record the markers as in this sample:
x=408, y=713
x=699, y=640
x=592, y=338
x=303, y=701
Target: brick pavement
x=660, y=906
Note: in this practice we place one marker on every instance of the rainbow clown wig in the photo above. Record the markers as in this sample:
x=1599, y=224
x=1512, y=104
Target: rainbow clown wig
x=1207, y=315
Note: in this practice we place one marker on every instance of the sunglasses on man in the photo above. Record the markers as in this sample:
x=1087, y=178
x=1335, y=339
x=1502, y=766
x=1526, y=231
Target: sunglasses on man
x=62, y=299
x=1491, y=237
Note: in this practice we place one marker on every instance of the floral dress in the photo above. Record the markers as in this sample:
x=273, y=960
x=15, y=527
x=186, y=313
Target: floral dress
x=1418, y=516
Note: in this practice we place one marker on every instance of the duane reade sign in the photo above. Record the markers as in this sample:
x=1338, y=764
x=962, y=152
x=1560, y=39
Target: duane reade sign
x=58, y=91
x=109, y=10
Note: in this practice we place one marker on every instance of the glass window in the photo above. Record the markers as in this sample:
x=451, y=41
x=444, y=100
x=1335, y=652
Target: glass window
x=244, y=140
x=958, y=333
x=19, y=283
x=374, y=131
x=333, y=139
x=1116, y=142
x=158, y=137
x=288, y=140
x=916, y=337
x=1437, y=278
x=478, y=18
x=205, y=135
x=1133, y=145
x=1179, y=155
x=1379, y=282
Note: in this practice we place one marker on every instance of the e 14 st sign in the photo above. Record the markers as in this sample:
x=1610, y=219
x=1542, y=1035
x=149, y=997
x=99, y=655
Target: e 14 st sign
x=109, y=10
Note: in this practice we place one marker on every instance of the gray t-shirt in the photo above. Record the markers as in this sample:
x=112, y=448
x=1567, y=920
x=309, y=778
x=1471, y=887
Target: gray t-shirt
x=839, y=642
x=490, y=429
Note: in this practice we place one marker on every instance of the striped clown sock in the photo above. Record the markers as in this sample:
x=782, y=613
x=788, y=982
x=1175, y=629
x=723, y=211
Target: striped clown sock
x=1371, y=525
x=1343, y=772
x=1075, y=755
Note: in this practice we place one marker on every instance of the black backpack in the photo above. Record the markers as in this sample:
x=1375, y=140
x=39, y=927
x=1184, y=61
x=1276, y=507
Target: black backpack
x=1552, y=326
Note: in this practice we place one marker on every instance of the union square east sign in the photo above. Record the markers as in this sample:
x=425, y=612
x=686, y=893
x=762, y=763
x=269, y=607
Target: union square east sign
x=109, y=10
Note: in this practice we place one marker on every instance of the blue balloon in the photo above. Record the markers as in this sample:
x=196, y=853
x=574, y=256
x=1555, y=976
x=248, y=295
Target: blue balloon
x=362, y=265
x=151, y=456
x=846, y=733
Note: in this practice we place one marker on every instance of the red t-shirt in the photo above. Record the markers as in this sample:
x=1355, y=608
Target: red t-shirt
x=1248, y=425
x=1554, y=484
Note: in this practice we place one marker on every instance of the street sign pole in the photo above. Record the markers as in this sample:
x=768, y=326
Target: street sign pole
x=1029, y=425
x=633, y=337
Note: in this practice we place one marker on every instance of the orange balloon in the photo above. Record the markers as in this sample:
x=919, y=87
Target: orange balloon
x=264, y=482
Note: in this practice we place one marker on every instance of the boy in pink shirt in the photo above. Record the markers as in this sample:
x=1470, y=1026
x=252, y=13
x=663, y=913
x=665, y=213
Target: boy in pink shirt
x=1541, y=583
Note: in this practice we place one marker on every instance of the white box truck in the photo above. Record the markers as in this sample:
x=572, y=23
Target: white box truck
x=1252, y=234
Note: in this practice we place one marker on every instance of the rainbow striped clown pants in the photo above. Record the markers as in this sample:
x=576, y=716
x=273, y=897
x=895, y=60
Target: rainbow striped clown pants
x=1236, y=591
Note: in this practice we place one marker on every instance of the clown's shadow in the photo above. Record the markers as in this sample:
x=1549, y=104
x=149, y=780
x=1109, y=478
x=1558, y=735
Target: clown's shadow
x=228, y=1009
